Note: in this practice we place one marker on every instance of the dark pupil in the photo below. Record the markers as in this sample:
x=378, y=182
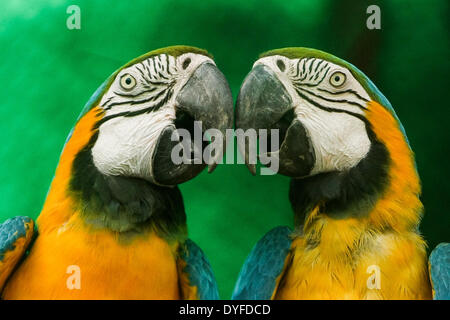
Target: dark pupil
x=337, y=78
x=128, y=80
x=281, y=65
x=186, y=63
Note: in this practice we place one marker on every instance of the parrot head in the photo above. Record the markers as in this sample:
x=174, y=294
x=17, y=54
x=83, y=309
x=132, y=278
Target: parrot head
x=340, y=139
x=117, y=163
x=144, y=103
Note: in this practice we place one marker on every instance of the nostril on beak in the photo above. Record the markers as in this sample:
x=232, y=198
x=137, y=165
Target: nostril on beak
x=281, y=65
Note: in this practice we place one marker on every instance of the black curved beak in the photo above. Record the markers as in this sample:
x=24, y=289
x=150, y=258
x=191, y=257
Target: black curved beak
x=205, y=97
x=264, y=103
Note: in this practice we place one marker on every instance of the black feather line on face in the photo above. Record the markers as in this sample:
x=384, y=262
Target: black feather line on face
x=129, y=206
x=318, y=105
x=143, y=74
x=151, y=78
x=300, y=81
x=166, y=90
x=167, y=65
x=129, y=95
x=153, y=108
x=343, y=92
x=311, y=64
x=298, y=70
x=317, y=66
x=332, y=100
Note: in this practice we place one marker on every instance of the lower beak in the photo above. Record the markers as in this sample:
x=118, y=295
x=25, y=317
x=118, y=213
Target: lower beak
x=205, y=97
x=264, y=103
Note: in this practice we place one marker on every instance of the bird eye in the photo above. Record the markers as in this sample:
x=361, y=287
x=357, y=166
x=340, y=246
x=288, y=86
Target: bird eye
x=337, y=79
x=186, y=63
x=127, y=81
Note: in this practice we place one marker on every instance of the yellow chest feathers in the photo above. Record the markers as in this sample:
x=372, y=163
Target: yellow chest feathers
x=73, y=263
x=385, y=266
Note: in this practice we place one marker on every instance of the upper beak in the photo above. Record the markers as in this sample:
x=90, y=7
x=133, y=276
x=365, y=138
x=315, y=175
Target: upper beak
x=264, y=103
x=205, y=97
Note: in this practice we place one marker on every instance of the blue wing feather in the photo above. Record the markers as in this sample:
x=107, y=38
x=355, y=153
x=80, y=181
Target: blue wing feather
x=440, y=271
x=10, y=231
x=199, y=271
x=265, y=263
x=15, y=237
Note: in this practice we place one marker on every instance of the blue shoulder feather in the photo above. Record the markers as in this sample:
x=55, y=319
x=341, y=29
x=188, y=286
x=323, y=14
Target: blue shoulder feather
x=199, y=271
x=11, y=249
x=265, y=263
x=440, y=271
x=10, y=231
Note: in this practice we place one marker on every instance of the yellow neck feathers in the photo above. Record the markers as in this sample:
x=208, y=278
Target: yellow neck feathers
x=400, y=207
x=59, y=206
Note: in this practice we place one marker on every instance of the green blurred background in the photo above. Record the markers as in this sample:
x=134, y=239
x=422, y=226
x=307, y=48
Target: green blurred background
x=48, y=72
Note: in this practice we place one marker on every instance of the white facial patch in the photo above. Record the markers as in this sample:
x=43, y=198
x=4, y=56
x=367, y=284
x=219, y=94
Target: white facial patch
x=125, y=145
x=328, y=101
x=339, y=140
x=139, y=104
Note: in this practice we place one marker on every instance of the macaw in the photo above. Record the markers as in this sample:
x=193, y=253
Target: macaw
x=354, y=189
x=113, y=225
